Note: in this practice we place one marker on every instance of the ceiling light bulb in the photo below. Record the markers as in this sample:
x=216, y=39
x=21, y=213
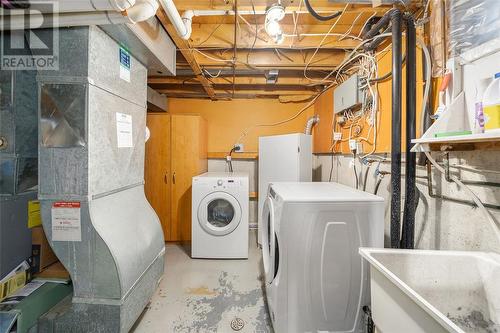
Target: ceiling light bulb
x=273, y=15
x=279, y=38
x=273, y=28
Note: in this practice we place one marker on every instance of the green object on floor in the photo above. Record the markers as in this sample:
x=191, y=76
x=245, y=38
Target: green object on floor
x=39, y=302
x=457, y=133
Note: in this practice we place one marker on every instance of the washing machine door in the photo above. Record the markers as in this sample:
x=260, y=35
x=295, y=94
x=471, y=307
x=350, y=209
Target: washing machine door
x=219, y=213
x=268, y=240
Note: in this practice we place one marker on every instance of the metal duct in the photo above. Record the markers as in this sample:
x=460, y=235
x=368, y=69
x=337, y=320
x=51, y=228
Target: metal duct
x=149, y=43
x=311, y=122
x=94, y=211
x=18, y=163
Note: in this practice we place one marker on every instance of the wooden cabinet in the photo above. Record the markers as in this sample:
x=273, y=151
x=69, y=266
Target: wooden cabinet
x=157, y=174
x=175, y=152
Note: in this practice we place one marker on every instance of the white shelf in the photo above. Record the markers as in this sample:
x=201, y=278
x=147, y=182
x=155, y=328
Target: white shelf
x=469, y=138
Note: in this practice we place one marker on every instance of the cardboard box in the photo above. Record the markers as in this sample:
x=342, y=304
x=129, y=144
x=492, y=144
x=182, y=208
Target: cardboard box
x=54, y=271
x=43, y=256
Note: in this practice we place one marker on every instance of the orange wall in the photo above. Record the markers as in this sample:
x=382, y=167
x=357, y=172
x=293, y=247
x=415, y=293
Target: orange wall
x=323, y=138
x=227, y=120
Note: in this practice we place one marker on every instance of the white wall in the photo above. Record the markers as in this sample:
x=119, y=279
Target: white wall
x=249, y=166
x=440, y=224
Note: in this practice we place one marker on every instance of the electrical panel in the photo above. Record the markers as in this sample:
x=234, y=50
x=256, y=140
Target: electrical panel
x=347, y=95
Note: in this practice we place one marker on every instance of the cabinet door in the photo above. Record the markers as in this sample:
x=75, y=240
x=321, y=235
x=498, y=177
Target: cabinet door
x=189, y=158
x=157, y=173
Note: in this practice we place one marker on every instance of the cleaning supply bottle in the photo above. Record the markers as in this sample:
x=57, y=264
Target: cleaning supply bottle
x=491, y=105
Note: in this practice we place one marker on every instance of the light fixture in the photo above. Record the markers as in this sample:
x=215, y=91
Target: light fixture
x=273, y=15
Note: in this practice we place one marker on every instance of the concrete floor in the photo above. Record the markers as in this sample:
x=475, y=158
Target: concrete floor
x=199, y=295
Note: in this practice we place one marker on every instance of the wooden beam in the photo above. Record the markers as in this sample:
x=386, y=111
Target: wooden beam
x=289, y=98
x=159, y=81
x=261, y=5
x=268, y=59
x=221, y=36
x=257, y=90
x=184, y=47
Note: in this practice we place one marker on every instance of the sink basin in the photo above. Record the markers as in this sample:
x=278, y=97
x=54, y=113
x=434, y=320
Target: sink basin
x=417, y=291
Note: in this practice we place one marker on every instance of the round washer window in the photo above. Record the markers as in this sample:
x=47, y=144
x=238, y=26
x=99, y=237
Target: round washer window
x=220, y=213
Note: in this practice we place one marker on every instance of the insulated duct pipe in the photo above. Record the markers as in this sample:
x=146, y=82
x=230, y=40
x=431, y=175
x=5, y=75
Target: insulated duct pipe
x=397, y=69
x=79, y=15
x=313, y=120
x=67, y=6
x=181, y=24
x=408, y=232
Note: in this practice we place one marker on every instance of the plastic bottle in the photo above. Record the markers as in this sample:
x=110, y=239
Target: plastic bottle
x=491, y=105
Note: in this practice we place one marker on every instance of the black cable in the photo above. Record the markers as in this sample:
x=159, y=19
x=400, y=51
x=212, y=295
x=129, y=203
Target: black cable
x=317, y=16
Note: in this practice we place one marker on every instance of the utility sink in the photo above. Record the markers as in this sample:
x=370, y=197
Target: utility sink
x=417, y=291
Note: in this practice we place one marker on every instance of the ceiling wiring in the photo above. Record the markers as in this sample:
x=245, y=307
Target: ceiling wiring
x=295, y=23
x=322, y=41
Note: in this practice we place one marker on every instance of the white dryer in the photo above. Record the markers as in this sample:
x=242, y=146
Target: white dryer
x=220, y=215
x=315, y=279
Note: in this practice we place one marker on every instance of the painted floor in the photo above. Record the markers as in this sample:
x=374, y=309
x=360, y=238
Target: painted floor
x=199, y=295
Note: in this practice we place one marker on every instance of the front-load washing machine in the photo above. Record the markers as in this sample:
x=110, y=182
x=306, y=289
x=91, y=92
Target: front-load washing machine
x=220, y=215
x=315, y=279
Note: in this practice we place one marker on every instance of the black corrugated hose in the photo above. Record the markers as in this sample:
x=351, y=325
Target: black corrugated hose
x=317, y=16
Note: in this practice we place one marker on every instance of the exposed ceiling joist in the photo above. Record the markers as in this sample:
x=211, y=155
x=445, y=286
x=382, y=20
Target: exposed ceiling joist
x=214, y=64
x=321, y=6
x=268, y=59
x=160, y=81
x=221, y=36
x=184, y=48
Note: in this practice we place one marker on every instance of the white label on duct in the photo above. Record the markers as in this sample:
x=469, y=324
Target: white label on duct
x=125, y=64
x=124, y=130
x=66, y=222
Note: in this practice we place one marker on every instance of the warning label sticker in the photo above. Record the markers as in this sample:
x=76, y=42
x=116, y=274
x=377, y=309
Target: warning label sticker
x=66, y=222
x=124, y=130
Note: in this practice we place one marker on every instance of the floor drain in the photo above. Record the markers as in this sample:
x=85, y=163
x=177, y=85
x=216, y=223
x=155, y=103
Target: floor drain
x=237, y=324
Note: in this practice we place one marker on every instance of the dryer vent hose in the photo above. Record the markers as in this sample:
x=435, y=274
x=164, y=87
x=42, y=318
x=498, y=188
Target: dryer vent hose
x=310, y=124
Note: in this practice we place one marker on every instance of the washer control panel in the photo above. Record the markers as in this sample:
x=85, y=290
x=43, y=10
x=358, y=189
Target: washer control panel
x=226, y=183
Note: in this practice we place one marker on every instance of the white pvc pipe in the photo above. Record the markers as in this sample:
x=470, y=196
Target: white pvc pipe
x=72, y=6
x=142, y=10
x=39, y=21
x=181, y=25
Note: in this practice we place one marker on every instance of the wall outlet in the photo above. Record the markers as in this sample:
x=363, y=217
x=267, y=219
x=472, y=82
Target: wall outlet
x=238, y=147
x=337, y=136
x=359, y=147
x=353, y=145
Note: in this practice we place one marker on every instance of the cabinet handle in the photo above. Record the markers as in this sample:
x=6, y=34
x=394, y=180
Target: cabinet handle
x=173, y=178
x=165, y=178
